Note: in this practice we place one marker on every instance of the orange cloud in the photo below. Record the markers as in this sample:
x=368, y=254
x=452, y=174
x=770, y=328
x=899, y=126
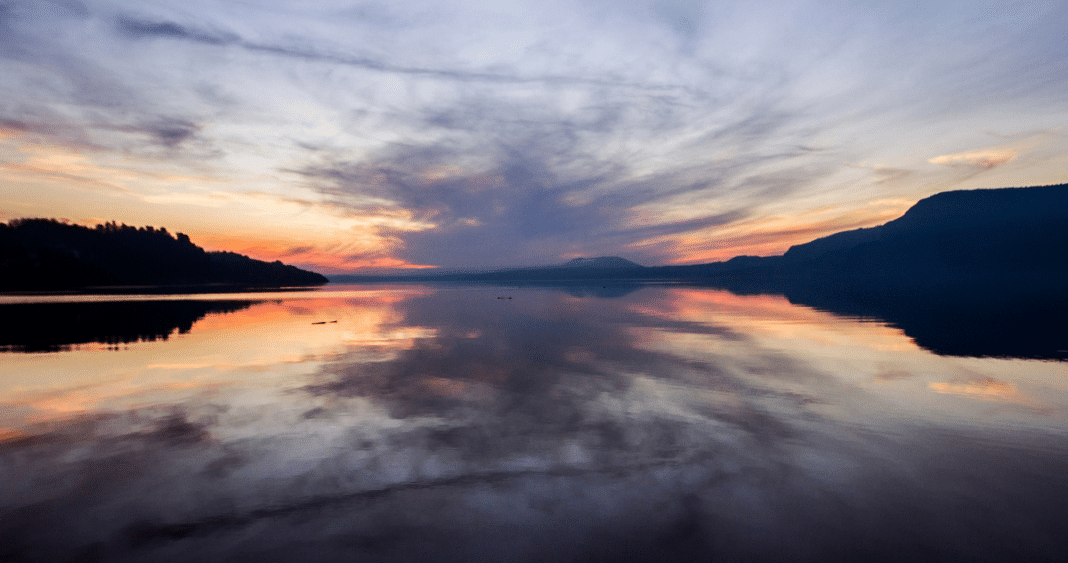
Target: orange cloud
x=984, y=159
x=328, y=252
x=774, y=235
x=986, y=388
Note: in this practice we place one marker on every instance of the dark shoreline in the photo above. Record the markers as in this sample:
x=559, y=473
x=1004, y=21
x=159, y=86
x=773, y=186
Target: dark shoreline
x=178, y=289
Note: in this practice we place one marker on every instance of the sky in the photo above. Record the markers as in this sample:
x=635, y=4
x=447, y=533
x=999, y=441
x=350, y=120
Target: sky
x=348, y=136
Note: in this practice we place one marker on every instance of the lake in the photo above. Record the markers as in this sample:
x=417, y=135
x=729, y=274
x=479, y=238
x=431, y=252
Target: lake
x=508, y=423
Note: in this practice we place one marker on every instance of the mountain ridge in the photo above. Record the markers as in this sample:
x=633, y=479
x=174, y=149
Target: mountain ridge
x=948, y=211
x=989, y=232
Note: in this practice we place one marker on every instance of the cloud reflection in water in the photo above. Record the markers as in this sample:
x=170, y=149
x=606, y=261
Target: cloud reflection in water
x=664, y=424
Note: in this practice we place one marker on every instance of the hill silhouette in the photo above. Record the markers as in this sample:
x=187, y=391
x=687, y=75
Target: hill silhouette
x=972, y=232
x=46, y=254
x=602, y=262
x=994, y=235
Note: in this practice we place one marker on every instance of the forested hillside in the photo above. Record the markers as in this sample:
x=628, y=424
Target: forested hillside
x=46, y=254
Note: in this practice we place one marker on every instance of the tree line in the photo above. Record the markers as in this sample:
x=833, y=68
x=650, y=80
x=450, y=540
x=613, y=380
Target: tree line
x=49, y=254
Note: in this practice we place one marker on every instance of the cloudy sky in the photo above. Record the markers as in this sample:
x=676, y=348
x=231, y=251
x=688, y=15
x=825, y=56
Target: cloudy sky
x=348, y=135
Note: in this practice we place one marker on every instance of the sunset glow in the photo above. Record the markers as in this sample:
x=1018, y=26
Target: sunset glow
x=214, y=356
x=346, y=139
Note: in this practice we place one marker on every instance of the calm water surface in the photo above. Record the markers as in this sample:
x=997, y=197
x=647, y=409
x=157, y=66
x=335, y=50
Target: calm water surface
x=449, y=423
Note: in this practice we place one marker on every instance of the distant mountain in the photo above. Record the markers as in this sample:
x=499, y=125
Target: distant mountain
x=45, y=254
x=602, y=262
x=992, y=235
x=602, y=267
x=966, y=233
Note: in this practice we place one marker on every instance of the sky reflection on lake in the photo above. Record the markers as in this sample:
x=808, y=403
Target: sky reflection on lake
x=458, y=423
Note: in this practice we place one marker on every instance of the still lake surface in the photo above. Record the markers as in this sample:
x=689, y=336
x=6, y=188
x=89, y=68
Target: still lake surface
x=483, y=423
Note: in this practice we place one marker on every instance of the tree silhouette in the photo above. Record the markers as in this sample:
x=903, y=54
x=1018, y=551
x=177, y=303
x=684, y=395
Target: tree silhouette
x=48, y=254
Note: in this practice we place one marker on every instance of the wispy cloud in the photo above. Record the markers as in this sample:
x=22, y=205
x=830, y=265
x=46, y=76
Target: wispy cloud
x=496, y=134
x=136, y=28
x=170, y=132
x=140, y=29
x=528, y=199
x=983, y=159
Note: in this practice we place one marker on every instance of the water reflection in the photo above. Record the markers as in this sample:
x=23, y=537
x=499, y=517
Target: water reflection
x=982, y=319
x=447, y=424
x=54, y=327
